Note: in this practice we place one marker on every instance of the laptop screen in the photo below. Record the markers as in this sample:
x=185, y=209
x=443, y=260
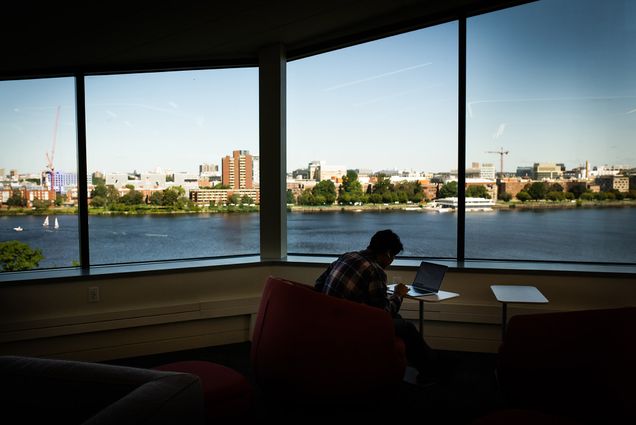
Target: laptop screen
x=429, y=277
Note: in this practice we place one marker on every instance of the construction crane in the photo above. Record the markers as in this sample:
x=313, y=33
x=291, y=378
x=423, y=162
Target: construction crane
x=49, y=156
x=501, y=153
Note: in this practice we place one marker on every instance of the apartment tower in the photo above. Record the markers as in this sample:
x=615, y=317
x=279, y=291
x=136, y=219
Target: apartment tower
x=237, y=170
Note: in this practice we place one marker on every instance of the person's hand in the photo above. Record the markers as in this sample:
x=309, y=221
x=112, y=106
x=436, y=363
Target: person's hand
x=401, y=289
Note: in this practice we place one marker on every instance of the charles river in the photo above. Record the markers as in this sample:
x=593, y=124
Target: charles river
x=578, y=234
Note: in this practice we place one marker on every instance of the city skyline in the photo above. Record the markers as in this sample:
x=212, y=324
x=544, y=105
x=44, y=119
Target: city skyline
x=541, y=83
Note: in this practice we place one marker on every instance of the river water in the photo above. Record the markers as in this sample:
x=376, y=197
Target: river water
x=606, y=235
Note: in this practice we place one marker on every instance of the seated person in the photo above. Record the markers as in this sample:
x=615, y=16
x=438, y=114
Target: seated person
x=359, y=276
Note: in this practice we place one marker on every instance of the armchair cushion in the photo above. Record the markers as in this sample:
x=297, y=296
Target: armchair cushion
x=312, y=346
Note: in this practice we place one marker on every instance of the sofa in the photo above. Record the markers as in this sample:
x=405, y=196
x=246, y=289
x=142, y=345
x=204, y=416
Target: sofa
x=39, y=390
x=314, y=348
x=575, y=365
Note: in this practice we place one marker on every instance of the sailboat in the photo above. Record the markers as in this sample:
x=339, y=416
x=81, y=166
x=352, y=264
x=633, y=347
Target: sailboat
x=57, y=225
x=46, y=222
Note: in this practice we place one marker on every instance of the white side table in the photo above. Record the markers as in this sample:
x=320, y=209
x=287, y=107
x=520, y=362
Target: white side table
x=515, y=294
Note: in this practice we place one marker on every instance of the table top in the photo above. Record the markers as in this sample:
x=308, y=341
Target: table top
x=433, y=298
x=518, y=294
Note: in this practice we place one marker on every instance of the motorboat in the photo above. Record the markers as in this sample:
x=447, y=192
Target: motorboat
x=472, y=204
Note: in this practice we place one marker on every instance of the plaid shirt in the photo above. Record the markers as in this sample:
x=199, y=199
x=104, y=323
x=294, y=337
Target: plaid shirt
x=357, y=277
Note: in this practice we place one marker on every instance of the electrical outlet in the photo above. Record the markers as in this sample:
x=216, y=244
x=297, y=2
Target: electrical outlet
x=93, y=294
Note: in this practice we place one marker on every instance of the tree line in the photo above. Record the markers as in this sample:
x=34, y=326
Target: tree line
x=537, y=191
x=351, y=192
x=173, y=198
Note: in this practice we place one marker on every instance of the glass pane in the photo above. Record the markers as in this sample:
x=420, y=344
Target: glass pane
x=372, y=136
x=551, y=102
x=38, y=174
x=156, y=148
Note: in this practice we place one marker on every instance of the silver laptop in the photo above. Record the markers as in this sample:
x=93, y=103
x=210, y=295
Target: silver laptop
x=428, y=279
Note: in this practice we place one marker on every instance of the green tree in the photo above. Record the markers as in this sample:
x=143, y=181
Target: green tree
x=537, y=190
x=587, y=196
x=133, y=197
x=555, y=196
x=99, y=190
x=408, y=191
x=555, y=187
x=383, y=184
x=41, y=205
x=18, y=256
x=157, y=197
x=59, y=200
x=16, y=200
x=235, y=198
x=326, y=189
x=504, y=196
x=98, y=201
x=290, y=196
x=172, y=197
x=477, y=192
x=448, y=190
x=112, y=194
x=306, y=197
x=350, y=190
x=619, y=196
x=375, y=198
x=246, y=199
x=578, y=189
x=523, y=196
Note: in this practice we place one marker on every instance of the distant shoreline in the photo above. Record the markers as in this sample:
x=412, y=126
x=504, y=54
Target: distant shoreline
x=499, y=206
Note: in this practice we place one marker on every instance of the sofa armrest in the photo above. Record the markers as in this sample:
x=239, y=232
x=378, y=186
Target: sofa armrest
x=74, y=392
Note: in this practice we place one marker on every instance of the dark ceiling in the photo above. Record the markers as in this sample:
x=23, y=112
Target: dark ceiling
x=115, y=36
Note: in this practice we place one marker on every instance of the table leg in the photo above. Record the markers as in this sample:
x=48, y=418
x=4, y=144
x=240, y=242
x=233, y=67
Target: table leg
x=421, y=317
x=504, y=313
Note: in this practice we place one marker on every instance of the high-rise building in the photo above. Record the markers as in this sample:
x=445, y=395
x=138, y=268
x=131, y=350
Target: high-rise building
x=237, y=170
x=256, y=171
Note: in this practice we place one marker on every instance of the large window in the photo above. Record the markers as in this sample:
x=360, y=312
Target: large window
x=372, y=137
x=173, y=162
x=373, y=142
x=38, y=174
x=551, y=109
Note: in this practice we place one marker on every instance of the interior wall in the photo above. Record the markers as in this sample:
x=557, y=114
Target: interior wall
x=178, y=310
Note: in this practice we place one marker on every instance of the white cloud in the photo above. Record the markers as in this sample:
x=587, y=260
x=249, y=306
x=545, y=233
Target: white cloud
x=375, y=77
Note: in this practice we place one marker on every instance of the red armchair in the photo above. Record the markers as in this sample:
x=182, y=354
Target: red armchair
x=311, y=346
x=576, y=364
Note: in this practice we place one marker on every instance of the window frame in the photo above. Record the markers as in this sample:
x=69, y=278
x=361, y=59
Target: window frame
x=273, y=249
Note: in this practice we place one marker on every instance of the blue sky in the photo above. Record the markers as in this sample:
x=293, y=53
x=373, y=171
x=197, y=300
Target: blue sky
x=551, y=81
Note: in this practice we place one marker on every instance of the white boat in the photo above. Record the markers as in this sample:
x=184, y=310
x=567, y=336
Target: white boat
x=472, y=204
x=18, y=229
x=46, y=222
x=57, y=225
x=435, y=207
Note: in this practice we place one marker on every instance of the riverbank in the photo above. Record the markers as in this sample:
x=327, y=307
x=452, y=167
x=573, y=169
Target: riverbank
x=500, y=206
x=528, y=205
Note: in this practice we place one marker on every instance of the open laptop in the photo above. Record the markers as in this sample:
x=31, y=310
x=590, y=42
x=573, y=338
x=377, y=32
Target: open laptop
x=428, y=279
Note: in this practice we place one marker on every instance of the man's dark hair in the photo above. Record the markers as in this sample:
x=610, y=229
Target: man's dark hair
x=385, y=240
